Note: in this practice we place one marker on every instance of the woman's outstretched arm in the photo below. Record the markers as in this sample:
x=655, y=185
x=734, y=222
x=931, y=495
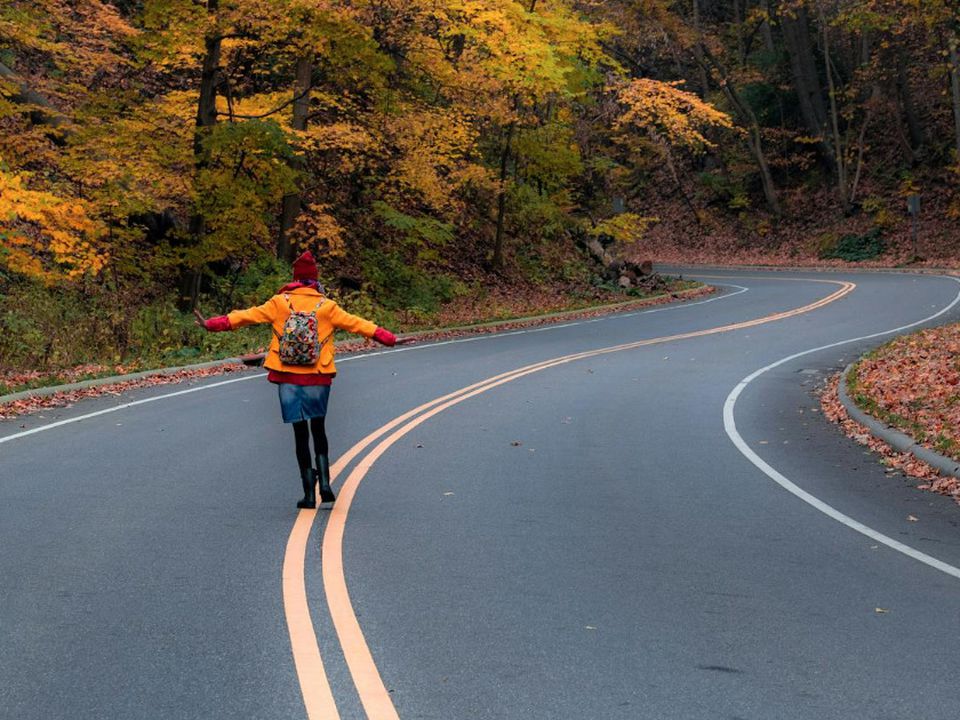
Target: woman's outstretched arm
x=238, y=318
x=352, y=323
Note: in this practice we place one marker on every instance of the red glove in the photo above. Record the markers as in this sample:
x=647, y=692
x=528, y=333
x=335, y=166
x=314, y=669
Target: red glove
x=217, y=324
x=385, y=337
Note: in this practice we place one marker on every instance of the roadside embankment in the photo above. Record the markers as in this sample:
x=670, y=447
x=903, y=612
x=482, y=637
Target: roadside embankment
x=903, y=401
x=55, y=396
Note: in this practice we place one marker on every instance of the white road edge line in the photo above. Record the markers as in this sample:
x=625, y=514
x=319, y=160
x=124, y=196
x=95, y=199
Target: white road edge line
x=144, y=401
x=124, y=406
x=731, y=427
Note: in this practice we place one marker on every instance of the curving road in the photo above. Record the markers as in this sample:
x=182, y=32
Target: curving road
x=655, y=531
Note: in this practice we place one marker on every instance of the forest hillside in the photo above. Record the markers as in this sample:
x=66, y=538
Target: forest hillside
x=449, y=159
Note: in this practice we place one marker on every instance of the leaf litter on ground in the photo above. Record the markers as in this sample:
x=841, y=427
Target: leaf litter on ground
x=906, y=463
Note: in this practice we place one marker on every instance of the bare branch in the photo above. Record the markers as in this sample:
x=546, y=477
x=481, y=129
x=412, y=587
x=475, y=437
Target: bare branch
x=277, y=109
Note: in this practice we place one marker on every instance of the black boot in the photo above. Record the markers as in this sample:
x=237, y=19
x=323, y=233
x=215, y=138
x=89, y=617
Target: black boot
x=309, y=479
x=323, y=470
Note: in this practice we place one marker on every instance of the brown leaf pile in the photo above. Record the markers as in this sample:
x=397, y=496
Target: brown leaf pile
x=508, y=298
x=716, y=237
x=906, y=463
x=14, y=380
x=915, y=383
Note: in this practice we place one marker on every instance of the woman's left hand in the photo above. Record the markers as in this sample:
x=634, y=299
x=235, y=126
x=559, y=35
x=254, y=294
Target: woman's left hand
x=200, y=319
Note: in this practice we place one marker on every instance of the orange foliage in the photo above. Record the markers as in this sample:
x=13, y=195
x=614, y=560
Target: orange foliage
x=668, y=114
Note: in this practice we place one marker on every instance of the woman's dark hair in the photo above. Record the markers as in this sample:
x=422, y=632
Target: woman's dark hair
x=314, y=284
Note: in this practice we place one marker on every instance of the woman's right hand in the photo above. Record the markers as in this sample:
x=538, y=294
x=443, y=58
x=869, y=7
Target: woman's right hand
x=385, y=337
x=221, y=323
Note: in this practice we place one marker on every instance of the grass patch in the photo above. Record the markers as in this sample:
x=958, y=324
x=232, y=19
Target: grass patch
x=870, y=406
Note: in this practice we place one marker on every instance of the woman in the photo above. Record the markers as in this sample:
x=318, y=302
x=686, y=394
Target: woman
x=302, y=374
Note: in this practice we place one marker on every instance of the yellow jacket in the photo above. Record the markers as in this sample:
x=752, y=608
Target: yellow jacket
x=330, y=316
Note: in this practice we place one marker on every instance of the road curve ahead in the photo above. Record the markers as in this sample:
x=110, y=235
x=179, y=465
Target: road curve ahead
x=639, y=516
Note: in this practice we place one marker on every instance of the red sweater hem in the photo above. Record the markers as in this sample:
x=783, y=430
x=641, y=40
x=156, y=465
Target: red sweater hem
x=278, y=376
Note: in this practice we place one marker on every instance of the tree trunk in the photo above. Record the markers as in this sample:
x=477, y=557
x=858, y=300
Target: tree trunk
x=838, y=150
x=914, y=128
x=301, y=107
x=754, y=136
x=767, y=28
x=738, y=24
x=497, y=260
x=795, y=25
x=206, y=119
x=703, y=76
x=207, y=102
x=955, y=89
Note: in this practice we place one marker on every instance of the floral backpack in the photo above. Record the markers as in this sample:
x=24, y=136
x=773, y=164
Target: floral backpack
x=300, y=343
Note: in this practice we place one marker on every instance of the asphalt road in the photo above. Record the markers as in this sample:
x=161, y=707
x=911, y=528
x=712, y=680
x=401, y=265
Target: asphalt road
x=586, y=541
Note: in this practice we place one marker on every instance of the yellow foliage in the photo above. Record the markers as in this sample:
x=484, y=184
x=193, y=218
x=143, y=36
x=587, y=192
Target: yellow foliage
x=79, y=37
x=626, y=228
x=317, y=229
x=432, y=145
x=404, y=91
x=37, y=225
x=669, y=115
x=138, y=159
x=344, y=137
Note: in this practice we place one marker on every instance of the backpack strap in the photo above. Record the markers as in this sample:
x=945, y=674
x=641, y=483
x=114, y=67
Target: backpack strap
x=286, y=296
x=317, y=309
x=324, y=341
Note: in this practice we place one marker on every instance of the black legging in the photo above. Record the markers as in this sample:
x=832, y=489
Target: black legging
x=302, y=434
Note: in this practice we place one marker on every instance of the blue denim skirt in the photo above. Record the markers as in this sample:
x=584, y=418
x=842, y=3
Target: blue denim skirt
x=303, y=402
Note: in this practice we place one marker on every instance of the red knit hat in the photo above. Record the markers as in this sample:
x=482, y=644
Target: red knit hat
x=305, y=267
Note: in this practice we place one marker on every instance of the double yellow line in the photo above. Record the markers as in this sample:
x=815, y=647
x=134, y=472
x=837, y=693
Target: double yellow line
x=317, y=695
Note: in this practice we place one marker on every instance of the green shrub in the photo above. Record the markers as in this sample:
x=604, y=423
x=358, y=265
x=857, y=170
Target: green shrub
x=402, y=286
x=43, y=327
x=538, y=216
x=250, y=285
x=855, y=248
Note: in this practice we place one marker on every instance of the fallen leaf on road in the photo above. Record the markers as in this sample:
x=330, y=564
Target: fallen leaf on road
x=516, y=443
x=912, y=518
x=880, y=611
